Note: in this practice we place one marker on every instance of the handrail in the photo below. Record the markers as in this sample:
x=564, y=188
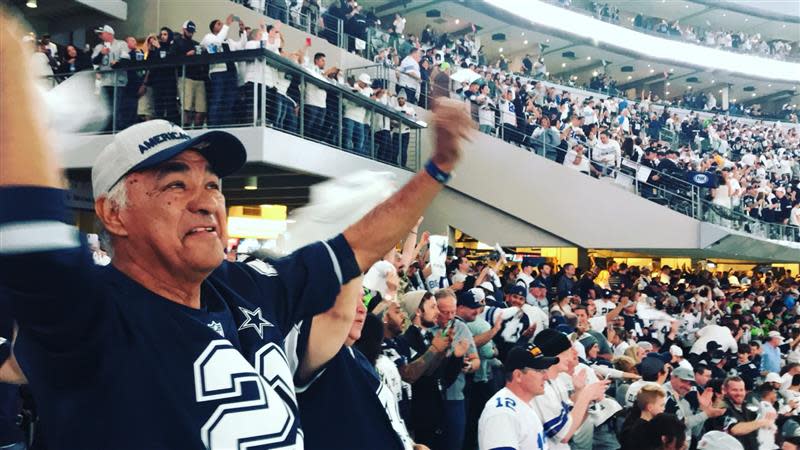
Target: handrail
x=273, y=60
x=623, y=23
x=376, y=131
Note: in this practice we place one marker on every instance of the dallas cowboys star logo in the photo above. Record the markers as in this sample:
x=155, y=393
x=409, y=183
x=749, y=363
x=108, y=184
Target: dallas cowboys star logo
x=254, y=320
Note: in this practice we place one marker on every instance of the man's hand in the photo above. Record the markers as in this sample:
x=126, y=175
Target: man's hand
x=229, y=19
x=441, y=343
x=498, y=323
x=530, y=330
x=460, y=349
x=579, y=379
x=105, y=50
x=451, y=123
x=597, y=391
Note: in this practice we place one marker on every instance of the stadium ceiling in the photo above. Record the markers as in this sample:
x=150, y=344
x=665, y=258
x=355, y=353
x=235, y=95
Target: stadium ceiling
x=713, y=15
x=568, y=58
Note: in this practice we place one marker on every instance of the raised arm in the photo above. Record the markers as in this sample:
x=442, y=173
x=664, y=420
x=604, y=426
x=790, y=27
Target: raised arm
x=25, y=156
x=329, y=330
x=372, y=236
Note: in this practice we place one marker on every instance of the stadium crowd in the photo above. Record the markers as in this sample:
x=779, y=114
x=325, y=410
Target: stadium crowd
x=456, y=352
x=731, y=40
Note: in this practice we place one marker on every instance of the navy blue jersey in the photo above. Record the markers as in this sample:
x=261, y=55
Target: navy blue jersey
x=341, y=405
x=9, y=393
x=114, y=365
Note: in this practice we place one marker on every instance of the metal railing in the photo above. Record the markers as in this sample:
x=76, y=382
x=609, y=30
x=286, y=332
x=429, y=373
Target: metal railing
x=585, y=10
x=310, y=20
x=275, y=95
x=675, y=193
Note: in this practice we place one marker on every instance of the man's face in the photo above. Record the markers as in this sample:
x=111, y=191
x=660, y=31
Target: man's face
x=188, y=34
x=735, y=391
x=468, y=314
x=163, y=36
x=538, y=292
x=593, y=351
x=395, y=318
x=533, y=380
x=447, y=310
x=604, y=139
x=463, y=265
x=546, y=270
x=401, y=101
x=174, y=220
x=568, y=360
x=682, y=387
x=583, y=318
x=430, y=311
x=657, y=407
x=106, y=37
x=569, y=270
x=217, y=27
x=515, y=300
x=321, y=62
x=358, y=322
x=131, y=43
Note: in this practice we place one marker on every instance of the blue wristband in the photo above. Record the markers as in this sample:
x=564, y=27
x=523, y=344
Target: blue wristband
x=436, y=173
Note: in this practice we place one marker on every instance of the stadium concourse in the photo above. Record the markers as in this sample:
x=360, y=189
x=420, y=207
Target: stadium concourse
x=162, y=333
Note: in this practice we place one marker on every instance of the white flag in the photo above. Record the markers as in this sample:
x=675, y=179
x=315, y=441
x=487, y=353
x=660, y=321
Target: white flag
x=438, y=249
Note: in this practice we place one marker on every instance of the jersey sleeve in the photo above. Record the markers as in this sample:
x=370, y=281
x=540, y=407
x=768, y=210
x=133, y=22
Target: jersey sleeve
x=555, y=417
x=498, y=431
x=47, y=282
x=306, y=282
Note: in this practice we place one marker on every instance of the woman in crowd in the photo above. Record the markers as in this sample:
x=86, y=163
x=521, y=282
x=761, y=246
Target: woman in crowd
x=74, y=60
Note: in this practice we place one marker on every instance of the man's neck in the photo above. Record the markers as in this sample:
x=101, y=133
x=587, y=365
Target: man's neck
x=646, y=416
x=519, y=392
x=184, y=292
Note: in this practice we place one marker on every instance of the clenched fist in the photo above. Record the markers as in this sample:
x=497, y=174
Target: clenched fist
x=451, y=123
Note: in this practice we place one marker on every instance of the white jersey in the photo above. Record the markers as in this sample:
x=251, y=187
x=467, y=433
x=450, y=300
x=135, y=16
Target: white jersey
x=633, y=391
x=553, y=408
x=509, y=423
x=603, y=307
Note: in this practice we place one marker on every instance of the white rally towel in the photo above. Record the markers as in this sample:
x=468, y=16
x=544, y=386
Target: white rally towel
x=333, y=206
x=438, y=257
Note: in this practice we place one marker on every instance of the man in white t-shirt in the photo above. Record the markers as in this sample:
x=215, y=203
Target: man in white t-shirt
x=410, y=75
x=606, y=154
x=508, y=421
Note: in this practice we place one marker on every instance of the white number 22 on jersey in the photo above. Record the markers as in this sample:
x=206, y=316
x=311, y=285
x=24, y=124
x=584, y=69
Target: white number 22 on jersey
x=219, y=373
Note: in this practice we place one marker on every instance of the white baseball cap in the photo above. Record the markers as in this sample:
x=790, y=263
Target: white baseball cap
x=364, y=78
x=775, y=334
x=772, y=377
x=674, y=350
x=717, y=440
x=105, y=29
x=150, y=143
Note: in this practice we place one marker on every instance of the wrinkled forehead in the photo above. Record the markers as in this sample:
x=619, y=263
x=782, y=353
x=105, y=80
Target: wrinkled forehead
x=187, y=162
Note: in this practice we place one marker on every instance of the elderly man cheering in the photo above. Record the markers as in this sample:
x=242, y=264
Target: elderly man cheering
x=170, y=346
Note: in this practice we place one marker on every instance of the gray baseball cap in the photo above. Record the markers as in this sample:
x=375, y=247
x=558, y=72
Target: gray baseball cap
x=148, y=144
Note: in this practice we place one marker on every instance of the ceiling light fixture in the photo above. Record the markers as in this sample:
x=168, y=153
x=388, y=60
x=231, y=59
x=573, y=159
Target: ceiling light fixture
x=31, y=4
x=523, y=34
x=713, y=81
x=652, y=70
x=666, y=93
x=501, y=49
x=629, y=77
x=688, y=87
x=458, y=21
x=754, y=94
x=769, y=85
x=668, y=83
x=588, y=58
x=563, y=64
x=525, y=42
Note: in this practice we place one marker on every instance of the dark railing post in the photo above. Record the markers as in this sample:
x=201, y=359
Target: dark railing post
x=114, y=105
x=301, y=111
x=372, y=151
x=182, y=94
x=341, y=119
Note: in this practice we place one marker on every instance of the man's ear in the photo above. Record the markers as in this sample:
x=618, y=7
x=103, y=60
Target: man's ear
x=109, y=214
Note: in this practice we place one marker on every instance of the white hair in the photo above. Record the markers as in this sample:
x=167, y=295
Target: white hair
x=118, y=196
